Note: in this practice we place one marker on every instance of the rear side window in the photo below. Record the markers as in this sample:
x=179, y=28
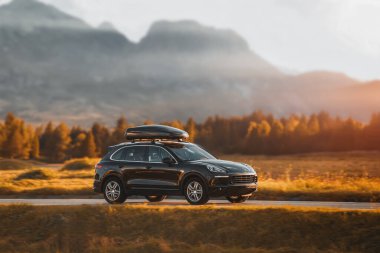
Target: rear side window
x=156, y=154
x=134, y=153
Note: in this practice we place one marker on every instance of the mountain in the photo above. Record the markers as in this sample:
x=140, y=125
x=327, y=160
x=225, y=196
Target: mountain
x=189, y=37
x=29, y=14
x=54, y=66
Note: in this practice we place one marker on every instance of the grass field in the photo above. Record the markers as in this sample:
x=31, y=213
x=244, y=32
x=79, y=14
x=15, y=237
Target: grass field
x=331, y=176
x=190, y=229
x=351, y=176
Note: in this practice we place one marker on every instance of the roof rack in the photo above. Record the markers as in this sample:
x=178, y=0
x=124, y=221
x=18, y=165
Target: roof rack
x=154, y=133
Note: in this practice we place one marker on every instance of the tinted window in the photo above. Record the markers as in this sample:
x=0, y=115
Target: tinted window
x=190, y=152
x=156, y=154
x=135, y=153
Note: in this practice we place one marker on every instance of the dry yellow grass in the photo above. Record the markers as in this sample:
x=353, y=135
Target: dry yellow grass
x=315, y=165
x=58, y=182
x=351, y=176
x=332, y=176
x=187, y=229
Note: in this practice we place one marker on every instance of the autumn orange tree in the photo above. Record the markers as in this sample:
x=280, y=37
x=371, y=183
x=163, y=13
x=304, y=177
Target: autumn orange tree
x=256, y=133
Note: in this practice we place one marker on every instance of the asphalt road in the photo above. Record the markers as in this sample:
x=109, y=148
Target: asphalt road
x=180, y=202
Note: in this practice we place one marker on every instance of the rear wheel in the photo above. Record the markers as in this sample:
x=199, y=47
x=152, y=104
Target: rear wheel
x=114, y=192
x=196, y=192
x=156, y=198
x=237, y=199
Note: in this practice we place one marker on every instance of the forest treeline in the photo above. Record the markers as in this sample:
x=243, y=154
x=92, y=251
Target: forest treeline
x=257, y=133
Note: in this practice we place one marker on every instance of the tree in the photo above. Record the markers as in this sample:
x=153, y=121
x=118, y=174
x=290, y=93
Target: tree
x=27, y=133
x=89, y=147
x=14, y=144
x=47, y=141
x=251, y=138
x=76, y=145
x=276, y=138
x=175, y=123
x=3, y=138
x=35, y=149
x=301, y=130
x=313, y=125
x=61, y=144
x=148, y=122
x=102, y=138
x=118, y=132
x=191, y=129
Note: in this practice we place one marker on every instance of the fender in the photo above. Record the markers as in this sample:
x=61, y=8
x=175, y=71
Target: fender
x=191, y=174
x=112, y=173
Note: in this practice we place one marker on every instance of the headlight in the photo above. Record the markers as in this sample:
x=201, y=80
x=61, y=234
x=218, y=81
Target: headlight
x=213, y=168
x=249, y=167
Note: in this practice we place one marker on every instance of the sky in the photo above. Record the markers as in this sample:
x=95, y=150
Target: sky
x=294, y=35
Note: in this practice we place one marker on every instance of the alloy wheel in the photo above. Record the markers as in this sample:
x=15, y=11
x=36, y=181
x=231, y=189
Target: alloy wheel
x=194, y=191
x=112, y=190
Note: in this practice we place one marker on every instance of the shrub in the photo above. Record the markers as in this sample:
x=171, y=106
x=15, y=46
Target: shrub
x=80, y=164
x=35, y=174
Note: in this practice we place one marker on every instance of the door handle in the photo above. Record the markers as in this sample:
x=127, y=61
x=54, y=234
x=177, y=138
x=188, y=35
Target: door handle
x=148, y=167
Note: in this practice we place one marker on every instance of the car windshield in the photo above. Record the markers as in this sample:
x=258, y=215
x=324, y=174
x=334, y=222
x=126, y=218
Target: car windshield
x=190, y=152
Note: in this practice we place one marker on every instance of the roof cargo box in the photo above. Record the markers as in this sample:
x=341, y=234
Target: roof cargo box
x=152, y=132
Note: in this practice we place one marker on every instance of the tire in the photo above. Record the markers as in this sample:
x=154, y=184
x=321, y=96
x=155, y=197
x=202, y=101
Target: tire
x=156, y=198
x=196, y=192
x=113, y=191
x=237, y=199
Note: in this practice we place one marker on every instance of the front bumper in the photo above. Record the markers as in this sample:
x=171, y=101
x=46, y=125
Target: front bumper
x=227, y=185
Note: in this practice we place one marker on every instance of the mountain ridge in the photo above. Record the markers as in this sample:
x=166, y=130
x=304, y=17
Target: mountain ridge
x=179, y=69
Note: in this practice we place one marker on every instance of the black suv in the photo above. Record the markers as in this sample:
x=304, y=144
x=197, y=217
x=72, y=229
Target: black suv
x=160, y=163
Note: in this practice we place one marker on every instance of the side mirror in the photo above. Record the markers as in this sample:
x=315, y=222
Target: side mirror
x=168, y=160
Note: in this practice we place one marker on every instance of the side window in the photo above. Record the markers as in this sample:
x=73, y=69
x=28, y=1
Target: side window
x=119, y=155
x=156, y=154
x=135, y=153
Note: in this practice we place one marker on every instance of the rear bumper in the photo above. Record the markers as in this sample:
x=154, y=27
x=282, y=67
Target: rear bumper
x=97, y=186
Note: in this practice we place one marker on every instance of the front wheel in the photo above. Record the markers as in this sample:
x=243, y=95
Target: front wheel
x=196, y=192
x=155, y=198
x=114, y=192
x=237, y=199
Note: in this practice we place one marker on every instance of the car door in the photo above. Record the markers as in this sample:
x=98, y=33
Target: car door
x=132, y=161
x=162, y=175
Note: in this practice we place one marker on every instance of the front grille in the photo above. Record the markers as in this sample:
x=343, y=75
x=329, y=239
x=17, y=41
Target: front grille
x=243, y=179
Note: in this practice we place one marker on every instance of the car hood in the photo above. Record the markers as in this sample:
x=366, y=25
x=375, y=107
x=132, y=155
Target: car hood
x=231, y=167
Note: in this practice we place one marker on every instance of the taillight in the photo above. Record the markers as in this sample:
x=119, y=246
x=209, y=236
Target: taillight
x=98, y=166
